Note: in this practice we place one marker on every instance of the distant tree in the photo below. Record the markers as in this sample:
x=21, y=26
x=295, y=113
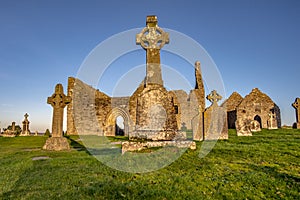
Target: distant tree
x=47, y=133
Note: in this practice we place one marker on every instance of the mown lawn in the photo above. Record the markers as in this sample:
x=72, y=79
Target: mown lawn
x=264, y=166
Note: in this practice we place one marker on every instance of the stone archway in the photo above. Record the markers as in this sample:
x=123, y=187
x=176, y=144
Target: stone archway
x=110, y=122
x=258, y=118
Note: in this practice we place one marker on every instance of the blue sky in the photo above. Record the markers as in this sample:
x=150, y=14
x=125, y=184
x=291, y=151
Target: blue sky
x=253, y=43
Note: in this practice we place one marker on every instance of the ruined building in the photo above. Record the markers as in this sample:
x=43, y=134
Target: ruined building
x=151, y=112
x=255, y=106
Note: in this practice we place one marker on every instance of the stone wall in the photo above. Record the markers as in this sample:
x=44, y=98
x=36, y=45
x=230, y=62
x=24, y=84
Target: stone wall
x=87, y=112
x=133, y=103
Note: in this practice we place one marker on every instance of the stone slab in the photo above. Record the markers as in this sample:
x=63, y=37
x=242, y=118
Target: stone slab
x=138, y=146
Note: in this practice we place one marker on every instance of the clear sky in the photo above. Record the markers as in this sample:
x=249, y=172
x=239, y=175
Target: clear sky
x=254, y=43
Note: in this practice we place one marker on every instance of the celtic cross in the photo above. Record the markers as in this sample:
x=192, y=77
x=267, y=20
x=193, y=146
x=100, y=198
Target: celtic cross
x=25, y=130
x=271, y=118
x=214, y=97
x=152, y=36
x=296, y=105
x=272, y=115
x=26, y=116
x=152, y=39
x=58, y=101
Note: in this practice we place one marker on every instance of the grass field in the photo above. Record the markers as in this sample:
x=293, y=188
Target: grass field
x=264, y=166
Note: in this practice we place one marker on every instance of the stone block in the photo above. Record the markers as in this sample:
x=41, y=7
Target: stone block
x=56, y=144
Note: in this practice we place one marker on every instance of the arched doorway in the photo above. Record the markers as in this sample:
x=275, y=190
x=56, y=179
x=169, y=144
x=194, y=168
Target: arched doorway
x=258, y=118
x=117, y=122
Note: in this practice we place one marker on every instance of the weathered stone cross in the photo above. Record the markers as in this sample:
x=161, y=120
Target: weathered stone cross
x=152, y=36
x=272, y=117
x=296, y=105
x=26, y=116
x=25, y=130
x=152, y=39
x=58, y=101
x=214, y=97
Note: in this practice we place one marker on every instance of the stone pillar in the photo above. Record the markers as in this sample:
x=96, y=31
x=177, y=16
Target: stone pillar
x=25, y=130
x=199, y=87
x=296, y=105
x=58, y=101
x=198, y=126
x=13, y=126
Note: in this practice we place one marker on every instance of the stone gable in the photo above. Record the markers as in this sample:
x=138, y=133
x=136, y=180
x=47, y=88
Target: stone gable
x=232, y=102
x=231, y=105
x=258, y=106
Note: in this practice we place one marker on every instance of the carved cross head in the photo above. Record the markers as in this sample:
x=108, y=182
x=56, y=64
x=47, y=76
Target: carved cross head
x=272, y=115
x=59, y=99
x=152, y=36
x=214, y=97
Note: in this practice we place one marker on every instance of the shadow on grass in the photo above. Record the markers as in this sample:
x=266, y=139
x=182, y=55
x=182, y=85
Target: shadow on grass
x=272, y=171
x=104, y=151
x=77, y=146
x=93, y=151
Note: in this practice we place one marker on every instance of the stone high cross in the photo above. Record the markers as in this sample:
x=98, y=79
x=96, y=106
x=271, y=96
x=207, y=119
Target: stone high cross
x=152, y=39
x=272, y=117
x=25, y=130
x=58, y=101
x=152, y=36
x=296, y=105
x=214, y=97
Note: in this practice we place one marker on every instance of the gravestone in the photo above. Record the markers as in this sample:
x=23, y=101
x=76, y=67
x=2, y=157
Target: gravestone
x=25, y=130
x=58, y=101
x=255, y=126
x=243, y=127
x=197, y=127
x=215, y=119
x=296, y=105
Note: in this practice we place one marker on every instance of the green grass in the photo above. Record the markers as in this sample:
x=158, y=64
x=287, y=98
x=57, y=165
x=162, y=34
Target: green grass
x=264, y=166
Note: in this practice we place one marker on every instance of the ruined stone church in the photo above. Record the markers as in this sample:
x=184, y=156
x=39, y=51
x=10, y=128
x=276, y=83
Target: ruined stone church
x=256, y=106
x=151, y=112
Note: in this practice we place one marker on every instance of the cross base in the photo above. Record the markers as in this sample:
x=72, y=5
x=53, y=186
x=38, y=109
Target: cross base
x=56, y=144
x=25, y=133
